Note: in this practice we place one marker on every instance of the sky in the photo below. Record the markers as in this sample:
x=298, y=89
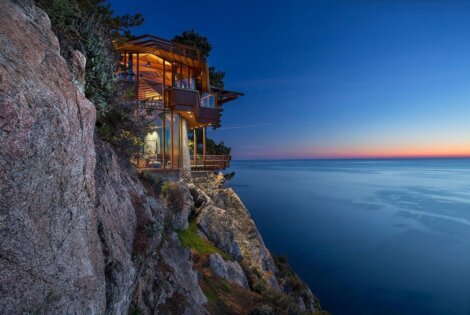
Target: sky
x=332, y=78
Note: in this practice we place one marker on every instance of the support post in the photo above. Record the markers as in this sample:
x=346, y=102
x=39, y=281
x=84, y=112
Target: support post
x=164, y=118
x=130, y=72
x=195, y=146
x=204, y=145
x=137, y=79
x=172, y=139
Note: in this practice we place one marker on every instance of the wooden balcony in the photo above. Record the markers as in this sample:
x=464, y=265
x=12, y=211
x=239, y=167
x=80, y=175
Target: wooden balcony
x=183, y=100
x=210, y=162
x=208, y=115
x=187, y=102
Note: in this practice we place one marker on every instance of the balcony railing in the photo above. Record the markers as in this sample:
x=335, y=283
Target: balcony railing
x=210, y=162
x=185, y=100
x=151, y=104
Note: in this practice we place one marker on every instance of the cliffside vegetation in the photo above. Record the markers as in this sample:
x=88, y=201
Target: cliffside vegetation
x=90, y=26
x=190, y=238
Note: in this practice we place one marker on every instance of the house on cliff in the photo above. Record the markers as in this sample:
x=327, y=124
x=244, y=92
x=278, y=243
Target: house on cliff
x=170, y=84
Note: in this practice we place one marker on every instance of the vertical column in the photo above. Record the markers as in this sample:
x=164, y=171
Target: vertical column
x=195, y=146
x=182, y=146
x=181, y=76
x=172, y=139
x=173, y=74
x=164, y=117
x=130, y=66
x=204, y=144
x=138, y=75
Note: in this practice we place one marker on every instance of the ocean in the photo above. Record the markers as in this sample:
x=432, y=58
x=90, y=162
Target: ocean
x=368, y=236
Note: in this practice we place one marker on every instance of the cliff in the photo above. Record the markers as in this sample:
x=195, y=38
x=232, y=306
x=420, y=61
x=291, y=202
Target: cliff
x=83, y=233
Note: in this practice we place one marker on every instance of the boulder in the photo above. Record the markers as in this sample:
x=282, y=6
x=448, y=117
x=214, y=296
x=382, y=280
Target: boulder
x=228, y=270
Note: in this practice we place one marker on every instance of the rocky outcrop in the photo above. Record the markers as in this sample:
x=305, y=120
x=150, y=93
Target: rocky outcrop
x=49, y=255
x=168, y=283
x=225, y=221
x=228, y=270
x=116, y=225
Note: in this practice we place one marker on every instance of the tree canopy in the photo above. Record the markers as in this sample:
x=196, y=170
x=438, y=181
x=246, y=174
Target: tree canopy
x=193, y=38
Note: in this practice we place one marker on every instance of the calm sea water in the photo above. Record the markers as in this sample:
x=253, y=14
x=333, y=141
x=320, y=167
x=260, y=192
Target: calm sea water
x=368, y=236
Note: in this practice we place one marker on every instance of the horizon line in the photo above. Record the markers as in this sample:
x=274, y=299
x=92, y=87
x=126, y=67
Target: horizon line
x=456, y=157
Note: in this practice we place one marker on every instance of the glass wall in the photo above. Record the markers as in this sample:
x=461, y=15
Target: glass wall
x=192, y=80
x=184, y=77
x=168, y=140
x=176, y=139
x=153, y=144
x=172, y=140
x=177, y=75
x=207, y=100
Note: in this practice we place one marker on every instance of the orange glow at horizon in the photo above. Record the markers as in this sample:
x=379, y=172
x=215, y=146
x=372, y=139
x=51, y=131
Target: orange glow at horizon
x=392, y=152
x=384, y=151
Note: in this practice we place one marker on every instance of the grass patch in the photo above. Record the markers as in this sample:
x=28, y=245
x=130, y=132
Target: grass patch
x=189, y=238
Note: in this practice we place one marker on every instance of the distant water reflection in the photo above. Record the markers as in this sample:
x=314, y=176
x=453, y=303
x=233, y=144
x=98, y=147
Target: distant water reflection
x=369, y=236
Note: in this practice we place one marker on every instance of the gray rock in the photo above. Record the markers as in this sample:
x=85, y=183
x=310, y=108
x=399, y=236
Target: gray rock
x=227, y=223
x=185, y=205
x=228, y=270
x=169, y=284
x=50, y=254
x=116, y=195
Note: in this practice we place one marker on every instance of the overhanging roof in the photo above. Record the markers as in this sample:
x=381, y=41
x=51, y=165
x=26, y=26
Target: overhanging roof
x=224, y=96
x=168, y=50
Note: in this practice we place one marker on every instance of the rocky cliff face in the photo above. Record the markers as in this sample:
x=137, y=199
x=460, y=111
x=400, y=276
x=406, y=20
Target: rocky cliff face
x=81, y=233
x=49, y=254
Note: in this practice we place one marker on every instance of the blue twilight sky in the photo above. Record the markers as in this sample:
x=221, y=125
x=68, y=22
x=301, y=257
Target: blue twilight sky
x=333, y=78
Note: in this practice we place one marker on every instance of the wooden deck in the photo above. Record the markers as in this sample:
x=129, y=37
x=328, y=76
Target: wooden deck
x=210, y=162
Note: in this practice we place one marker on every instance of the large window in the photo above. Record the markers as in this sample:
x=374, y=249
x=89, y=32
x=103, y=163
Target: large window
x=208, y=100
x=172, y=140
x=153, y=144
x=177, y=75
x=183, y=77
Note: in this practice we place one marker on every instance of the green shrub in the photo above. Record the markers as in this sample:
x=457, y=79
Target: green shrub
x=174, y=194
x=155, y=183
x=165, y=188
x=190, y=238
